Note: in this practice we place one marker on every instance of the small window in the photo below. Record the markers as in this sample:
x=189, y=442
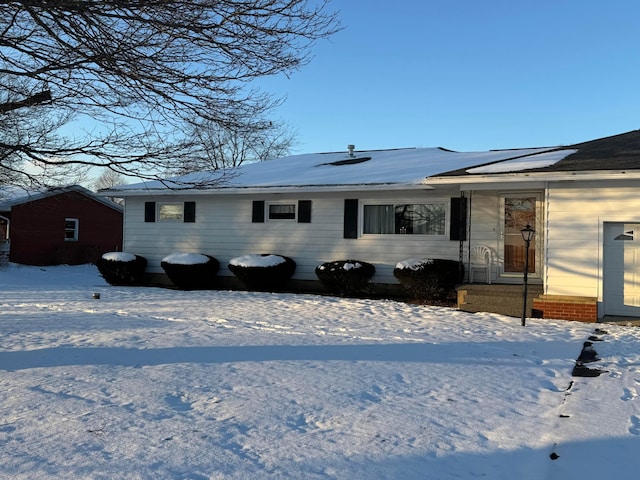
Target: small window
x=282, y=211
x=405, y=219
x=170, y=212
x=71, y=229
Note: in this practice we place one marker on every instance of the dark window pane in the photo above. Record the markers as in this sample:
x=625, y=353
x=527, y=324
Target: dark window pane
x=282, y=212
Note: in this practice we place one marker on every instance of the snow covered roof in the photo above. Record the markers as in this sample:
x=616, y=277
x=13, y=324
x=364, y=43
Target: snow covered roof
x=9, y=194
x=377, y=168
x=16, y=196
x=617, y=153
x=541, y=160
x=400, y=168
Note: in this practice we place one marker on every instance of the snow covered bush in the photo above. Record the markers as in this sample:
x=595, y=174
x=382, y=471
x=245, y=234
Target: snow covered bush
x=263, y=271
x=190, y=270
x=345, y=277
x=121, y=268
x=433, y=280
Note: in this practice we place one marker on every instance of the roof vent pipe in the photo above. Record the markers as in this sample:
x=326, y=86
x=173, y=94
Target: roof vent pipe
x=351, y=148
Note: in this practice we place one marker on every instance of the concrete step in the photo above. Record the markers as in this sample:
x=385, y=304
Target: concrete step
x=511, y=309
x=501, y=290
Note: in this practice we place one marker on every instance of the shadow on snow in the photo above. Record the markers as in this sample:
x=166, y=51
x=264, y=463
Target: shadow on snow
x=475, y=353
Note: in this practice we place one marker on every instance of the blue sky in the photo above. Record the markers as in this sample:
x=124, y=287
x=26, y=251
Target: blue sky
x=467, y=75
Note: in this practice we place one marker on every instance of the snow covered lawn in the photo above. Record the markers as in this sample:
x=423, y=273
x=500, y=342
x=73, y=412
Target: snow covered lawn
x=148, y=383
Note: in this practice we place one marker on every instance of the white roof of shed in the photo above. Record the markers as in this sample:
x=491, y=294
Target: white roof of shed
x=12, y=196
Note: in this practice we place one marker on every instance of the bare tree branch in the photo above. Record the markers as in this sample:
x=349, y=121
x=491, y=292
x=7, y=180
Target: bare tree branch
x=27, y=102
x=225, y=147
x=129, y=80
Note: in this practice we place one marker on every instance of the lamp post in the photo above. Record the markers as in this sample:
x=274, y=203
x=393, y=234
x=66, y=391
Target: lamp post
x=527, y=235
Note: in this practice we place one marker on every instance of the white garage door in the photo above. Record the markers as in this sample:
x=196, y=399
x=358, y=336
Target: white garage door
x=621, y=280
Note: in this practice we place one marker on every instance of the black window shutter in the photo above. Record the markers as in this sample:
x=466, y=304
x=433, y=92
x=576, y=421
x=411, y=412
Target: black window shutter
x=257, y=216
x=351, y=218
x=189, y=212
x=149, y=211
x=304, y=211
x=458, y=223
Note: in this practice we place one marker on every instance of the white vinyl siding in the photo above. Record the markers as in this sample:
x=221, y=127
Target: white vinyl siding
x=575, y=233
x=225, y=230
x=486, y=228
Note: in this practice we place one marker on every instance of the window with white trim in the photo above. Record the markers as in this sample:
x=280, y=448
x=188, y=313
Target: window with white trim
x=71, y=229
x=281, y=211
x=404, y=219
x=173, y=211
x=170, y=212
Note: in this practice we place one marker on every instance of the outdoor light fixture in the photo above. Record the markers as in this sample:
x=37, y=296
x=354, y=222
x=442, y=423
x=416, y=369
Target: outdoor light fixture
x=527, y=235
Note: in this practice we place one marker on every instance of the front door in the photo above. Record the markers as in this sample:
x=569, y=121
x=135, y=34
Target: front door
x=518, y=211
x=621, y=282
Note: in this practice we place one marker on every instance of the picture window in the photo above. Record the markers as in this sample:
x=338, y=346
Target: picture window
x=405, y=219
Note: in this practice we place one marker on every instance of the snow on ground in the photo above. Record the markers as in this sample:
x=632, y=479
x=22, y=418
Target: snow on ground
x=149, y=383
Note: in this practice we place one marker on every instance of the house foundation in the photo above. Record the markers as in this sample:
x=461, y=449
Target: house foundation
x=561, y=307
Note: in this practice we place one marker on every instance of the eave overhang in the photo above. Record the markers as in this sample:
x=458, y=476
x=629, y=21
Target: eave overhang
x=524, y=177
x=146, y=192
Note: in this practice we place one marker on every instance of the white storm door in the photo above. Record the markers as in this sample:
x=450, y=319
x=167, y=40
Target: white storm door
x=621, y=282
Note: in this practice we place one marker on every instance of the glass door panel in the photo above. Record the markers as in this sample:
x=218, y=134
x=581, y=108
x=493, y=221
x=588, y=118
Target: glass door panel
x=518, y=213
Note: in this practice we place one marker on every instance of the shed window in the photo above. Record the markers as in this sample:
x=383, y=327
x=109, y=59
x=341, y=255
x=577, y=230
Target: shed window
x=420, y=219
x=71, y=229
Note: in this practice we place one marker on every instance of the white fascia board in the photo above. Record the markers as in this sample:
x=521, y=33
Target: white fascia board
x=534, y=177
x=263, y=190
x=538, y=185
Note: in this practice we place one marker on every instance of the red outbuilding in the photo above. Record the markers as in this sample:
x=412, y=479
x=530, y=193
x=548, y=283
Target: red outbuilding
x=69, y=225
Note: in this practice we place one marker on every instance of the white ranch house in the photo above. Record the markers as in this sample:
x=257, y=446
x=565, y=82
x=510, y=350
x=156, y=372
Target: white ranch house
x=386, y=206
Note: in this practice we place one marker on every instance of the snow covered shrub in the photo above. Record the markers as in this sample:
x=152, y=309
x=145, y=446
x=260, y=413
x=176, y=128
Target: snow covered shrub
x=190, y=270
x=428, y=279
x=263, y=271
x=345, y=277
x=120, y=268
